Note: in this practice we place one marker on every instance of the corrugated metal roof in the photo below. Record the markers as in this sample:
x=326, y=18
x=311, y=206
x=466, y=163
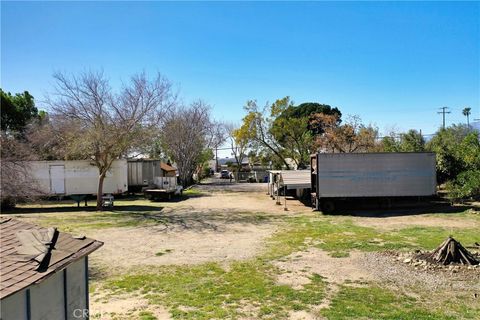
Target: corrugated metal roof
x=296, y=179
x=17, y=272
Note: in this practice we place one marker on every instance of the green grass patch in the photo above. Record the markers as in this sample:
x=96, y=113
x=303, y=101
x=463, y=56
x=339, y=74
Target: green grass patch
x=77, y=222
x=246, y=289
x=339, y=235
x=193, y=192
x=161, y=253
x=377, y=303
x=146, y=315
x=431, y=237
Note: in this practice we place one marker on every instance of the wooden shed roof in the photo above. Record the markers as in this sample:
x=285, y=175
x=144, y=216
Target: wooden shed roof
x=19, y=270
x=167, y=167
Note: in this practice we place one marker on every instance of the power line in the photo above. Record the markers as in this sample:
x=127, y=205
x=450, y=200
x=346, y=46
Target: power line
x=443, y=112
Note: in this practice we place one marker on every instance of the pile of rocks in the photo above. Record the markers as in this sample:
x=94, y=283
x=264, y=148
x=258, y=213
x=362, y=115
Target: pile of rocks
x=418, y=261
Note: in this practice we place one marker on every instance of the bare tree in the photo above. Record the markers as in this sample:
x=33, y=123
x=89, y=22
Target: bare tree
x=186, y=137
x=104, y=124
x=218, y=136
x=16, y=181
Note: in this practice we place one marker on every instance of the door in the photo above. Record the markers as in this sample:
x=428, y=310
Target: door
x=57, y=179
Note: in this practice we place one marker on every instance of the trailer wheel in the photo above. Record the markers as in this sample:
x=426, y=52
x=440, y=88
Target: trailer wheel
x=328, y=206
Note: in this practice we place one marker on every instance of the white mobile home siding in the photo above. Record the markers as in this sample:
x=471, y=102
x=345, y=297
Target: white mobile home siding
x=77, y=177
x=62, y=296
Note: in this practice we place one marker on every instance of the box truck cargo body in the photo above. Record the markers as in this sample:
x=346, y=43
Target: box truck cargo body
x=371, y=175
x=77, y=177
x=142, y=173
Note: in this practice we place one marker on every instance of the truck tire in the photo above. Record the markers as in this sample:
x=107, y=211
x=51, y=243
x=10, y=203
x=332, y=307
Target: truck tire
x=328, y=206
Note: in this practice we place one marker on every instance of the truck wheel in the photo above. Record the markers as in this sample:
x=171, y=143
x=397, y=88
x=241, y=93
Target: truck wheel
x=328, y=206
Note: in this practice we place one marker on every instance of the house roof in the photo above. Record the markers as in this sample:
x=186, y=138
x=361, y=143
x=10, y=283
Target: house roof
x=30, y=253
x=167, y=167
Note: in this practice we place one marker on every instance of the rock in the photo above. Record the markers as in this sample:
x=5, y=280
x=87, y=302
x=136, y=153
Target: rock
x=408, y=260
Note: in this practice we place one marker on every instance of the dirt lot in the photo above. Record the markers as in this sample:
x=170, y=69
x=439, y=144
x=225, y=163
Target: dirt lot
x=227, y=224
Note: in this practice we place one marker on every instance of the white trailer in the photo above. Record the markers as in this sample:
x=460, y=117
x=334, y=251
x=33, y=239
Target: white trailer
x=77, y=177
x=341, y=176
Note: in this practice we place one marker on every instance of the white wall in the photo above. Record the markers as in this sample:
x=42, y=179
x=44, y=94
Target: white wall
x=76, y=289
x=81, y=177
x=47, y=299
x=14, y=306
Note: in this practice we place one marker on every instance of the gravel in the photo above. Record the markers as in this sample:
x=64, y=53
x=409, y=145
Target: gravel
x=404, y=270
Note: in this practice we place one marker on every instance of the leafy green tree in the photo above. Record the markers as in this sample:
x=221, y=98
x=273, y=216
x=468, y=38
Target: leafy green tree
x=238, y=138
x=446, y=144
x=291, y=129
x=16, y=111
x=284, y=130
x=465, y=186
x=469, y=151
x=390, y=144
x=412, y=141
x=256, y=126
x=307, y=110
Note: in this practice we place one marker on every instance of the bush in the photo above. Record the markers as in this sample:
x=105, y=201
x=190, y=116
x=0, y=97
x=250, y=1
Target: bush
x=465, y=186
x=446, y=144
x=7, y=203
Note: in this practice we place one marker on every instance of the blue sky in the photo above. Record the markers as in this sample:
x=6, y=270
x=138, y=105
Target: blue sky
x=391, y=63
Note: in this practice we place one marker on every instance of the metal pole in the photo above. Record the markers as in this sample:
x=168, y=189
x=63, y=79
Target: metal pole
x=285, y=197
x=268, y=185
x=278, y=193
x=443, y=112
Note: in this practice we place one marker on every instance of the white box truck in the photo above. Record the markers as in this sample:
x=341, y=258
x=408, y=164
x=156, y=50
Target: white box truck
x=77, y=177
x=383, y=176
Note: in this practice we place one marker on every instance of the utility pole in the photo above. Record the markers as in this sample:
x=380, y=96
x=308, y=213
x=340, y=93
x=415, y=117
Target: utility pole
x=443, y=112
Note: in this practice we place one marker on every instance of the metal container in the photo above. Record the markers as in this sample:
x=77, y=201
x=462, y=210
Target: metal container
x=347, y=175
x=141, y=173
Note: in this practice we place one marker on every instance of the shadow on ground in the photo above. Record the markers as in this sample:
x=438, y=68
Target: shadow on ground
x=74, y=208
x=404, y=210
x=207, y=219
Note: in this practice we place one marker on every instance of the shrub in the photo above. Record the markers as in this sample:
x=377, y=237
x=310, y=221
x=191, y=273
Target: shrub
x=465, y=186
